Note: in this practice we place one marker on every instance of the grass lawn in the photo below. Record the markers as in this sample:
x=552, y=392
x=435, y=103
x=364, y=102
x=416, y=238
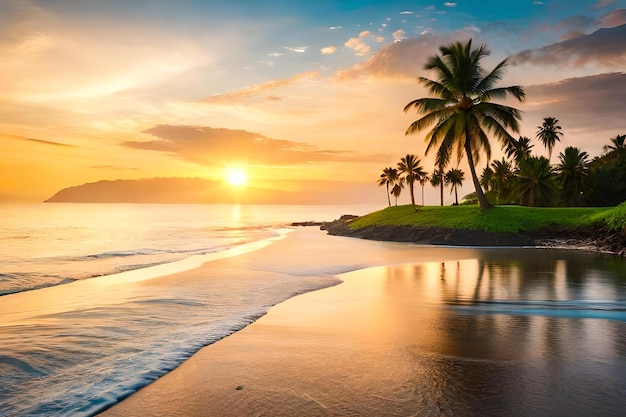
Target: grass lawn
x=505, y=219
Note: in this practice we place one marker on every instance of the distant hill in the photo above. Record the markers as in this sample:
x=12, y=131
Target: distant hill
x=202, y=191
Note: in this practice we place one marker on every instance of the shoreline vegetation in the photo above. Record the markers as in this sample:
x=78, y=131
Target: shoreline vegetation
x=600, y=230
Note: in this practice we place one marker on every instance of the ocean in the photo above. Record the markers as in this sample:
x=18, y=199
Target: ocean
x=77, y=355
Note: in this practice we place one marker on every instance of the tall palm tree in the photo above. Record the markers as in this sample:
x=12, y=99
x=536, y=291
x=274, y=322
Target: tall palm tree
x=388, y=177
x=412, y=169
x=549, y=133
x=424, y=179
x=503, y=179
x=436, y=180
x=455, y=178
x=573, y=170
x=617, y=143
x=536, y=183
x=397, y=190
x=519, y=149
x=463, y=112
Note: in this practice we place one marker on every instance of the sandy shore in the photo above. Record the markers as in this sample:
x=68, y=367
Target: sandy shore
x=386, y=342
x=304, y=350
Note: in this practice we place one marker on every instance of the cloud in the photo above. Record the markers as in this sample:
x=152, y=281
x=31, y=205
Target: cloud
x=401, y=59
x=45, y=58
x=298, y=49
x=612, y=19
x=258, y=89
x=358, y=44
x=585, y=105
x=210, y=146
x=44, y=142
x=398, y=35
x=449, y=4
x=328, y=50
x=604, y=47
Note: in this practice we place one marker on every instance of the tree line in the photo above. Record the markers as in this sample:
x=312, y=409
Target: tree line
x=462, y=115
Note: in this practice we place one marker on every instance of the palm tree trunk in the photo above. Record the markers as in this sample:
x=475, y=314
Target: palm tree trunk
x=422, y=195
x=456, y=196
x=441, y=188
x=482, y=199
x=388, y=198
x=412, y=194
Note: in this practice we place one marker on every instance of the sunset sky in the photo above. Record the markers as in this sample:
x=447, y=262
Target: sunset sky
x=297, y=93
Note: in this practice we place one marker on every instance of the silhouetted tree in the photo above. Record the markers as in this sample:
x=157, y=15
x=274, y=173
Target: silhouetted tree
x=549, y=133
x=388, y=178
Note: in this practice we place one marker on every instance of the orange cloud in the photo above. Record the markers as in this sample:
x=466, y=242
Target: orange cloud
x=209, y=146
x=258, y=89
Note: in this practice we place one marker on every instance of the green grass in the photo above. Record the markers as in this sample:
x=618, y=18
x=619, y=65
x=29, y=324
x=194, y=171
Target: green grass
x=614, y=218
x=502, y=219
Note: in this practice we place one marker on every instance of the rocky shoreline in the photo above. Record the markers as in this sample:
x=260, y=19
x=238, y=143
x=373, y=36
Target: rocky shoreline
x=594, y=239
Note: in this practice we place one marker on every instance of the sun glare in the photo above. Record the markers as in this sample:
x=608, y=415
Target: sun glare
x=236, y=177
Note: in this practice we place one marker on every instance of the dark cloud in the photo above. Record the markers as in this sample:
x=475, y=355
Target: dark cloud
x=45, y=142
x=207, y=146
x=587, y=104
x=605, y=46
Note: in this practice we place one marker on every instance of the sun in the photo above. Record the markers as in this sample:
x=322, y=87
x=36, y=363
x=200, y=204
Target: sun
x=236, y=177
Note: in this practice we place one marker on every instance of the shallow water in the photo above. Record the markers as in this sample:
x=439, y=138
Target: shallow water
x=423, y=339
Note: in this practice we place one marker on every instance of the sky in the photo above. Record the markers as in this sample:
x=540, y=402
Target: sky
x=296, y=93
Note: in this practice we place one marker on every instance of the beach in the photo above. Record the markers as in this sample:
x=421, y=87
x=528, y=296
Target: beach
x=412, y=330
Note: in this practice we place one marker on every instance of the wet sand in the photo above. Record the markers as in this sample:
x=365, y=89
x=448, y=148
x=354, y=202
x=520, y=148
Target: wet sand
x=386, y=342
x=282, y=361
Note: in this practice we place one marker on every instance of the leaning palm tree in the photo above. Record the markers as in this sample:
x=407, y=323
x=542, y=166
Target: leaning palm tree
x=549, y=133
x=463, y=112
x=455, y=178
x=412, y=169
x=572, y=171
x=388, y=177
x=536, y=183
x=397, y=190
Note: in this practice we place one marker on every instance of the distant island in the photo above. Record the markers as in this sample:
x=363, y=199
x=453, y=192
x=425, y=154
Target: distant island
x=203, y=191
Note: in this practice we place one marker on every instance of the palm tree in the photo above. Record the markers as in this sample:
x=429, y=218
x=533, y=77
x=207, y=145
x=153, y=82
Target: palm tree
x=503, y=178
x=486, y=178
x=617, y=143
x=549, y=133
x=388, y=177
x=536, y=183
x=519, y=149
x=436, y=180
x=455, y=178
x=463, y=112
x=573, y=170
x=423, y=180
x=412, y=169
x=397, y=189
